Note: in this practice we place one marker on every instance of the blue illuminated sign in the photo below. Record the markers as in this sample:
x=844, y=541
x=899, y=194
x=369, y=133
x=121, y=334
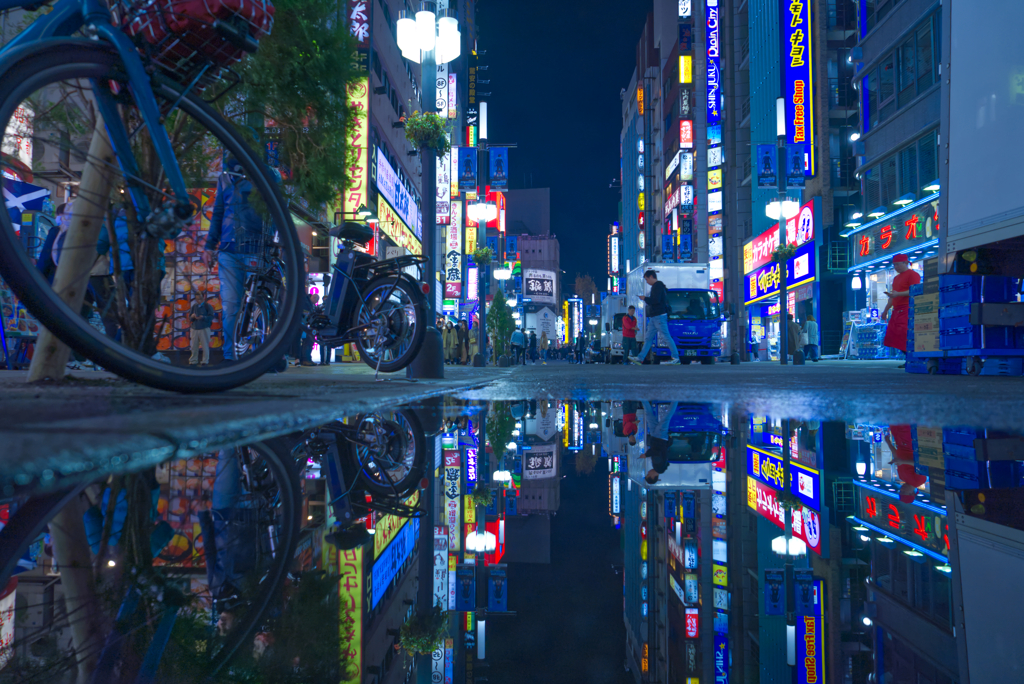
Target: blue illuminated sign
x=765, y=466
x=804, y=482
x=810, y=629
x=721, y=659
x=764, y=282
x=714, y=74
x=392, y=559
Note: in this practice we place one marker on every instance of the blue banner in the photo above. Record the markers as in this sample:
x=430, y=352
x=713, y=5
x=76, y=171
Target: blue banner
x=391, y=560
x=668, y=248
x=767, y=171
x=805, y=484
x=467, y=169
x=499, y=168
x=796, y=164
x=810, y=621
x=714, y=72
x=721, y=659
x=497, y=597
x=465, y=587
x=798, y=86
x=511, y=504
x=774, y=592
x=511, y=247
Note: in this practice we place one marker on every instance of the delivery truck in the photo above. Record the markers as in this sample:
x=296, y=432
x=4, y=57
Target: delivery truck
x=696, y=318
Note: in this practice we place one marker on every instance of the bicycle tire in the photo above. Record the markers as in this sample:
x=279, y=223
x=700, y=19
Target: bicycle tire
x=76, y=58
x=410, y=481
x=260, y=305
x=403, y=357
x=27, y=524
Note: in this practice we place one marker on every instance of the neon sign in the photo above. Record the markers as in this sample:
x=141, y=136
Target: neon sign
x=765, y=281
x=806, y=523
x=795, y=17
x=799, y=230
x=714, y=79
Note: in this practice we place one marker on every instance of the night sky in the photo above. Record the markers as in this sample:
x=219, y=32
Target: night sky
x=556, y=69
x=568, y=626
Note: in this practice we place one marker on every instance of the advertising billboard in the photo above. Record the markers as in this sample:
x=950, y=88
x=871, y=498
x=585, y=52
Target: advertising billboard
x=350, y=592
x=800, y=229
x=806, y=523
x=692, y=623
x=395, y=228
x=390, y=185
x=714, y=71
x=452, y=485
x=386, y=568
x=765, y=281
x=453, y=255
x=810, y=628
x=898, y=233
x=467, y=169
x=917, y=524
x=539, y=463
x=804, y=482
x=539, y=286
x=444, y=188
x=499, y=168
x=797, y=72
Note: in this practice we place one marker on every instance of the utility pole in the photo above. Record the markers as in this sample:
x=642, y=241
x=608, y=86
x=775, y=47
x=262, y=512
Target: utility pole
x=781, y=168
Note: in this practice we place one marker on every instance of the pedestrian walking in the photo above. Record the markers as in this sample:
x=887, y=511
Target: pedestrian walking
x=658, y=310
x=306, y=343
x=518, y=342
x=463, y=339
x=578, y=348
x=451, y=342
x=533, y=347
x=793, y=335
x=201, y=317
x=655, y=460
x=897, y=311
x=629, y=333
x=544, y=344
x=811, y=343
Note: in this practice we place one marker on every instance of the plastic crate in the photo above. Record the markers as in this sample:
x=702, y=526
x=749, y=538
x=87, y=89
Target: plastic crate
x=999, y=337
x=916, y=366
x=966, y=456
x=998, y=289
x=917, y=289
x=959, y=295
x=955, y=323
x=961, y=338
x=956, y=480
x=1003, y=366
x=963, y=436
x=955, y=310
x=956, y=282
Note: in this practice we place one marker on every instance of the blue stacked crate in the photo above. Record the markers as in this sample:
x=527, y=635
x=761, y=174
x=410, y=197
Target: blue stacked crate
x=1006, y=365
x=963, y=470
x=956, y=295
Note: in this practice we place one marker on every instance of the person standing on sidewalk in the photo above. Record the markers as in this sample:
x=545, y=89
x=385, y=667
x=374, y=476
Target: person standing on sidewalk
x=793, y=333
x=533, y=347
x=462, y=334
x=451, y=342
x=811, y=330
x=518, y=342
x=544, y=344
x=899, y=304
x=658, y=310
x=629, y=333
x=201, y=317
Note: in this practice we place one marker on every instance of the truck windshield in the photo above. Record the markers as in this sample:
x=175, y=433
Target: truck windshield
x=698, y=305
x=692, y=447
x=617, y=325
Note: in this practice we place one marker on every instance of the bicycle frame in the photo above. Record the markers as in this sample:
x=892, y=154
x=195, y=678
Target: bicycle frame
x=69, y=16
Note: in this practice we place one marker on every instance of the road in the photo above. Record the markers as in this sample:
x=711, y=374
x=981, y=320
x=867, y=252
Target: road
x=95, y=422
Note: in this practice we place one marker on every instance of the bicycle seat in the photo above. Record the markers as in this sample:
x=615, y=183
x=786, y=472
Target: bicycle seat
x=355, y=232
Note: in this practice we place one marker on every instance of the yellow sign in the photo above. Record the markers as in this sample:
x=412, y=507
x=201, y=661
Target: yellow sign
x=640, y=201
x=685, y=68
x=395, y=228
x=359, y=170
x=470, y=509
x=714, y=179
x=720, y=575
x=389, y=526
x=350, y=591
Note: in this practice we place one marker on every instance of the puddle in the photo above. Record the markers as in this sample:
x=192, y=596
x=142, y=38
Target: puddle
x=598, y=541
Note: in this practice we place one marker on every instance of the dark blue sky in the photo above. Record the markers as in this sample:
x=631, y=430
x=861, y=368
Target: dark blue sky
x=556, y=69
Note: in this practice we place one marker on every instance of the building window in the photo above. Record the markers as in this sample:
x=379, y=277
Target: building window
x=903, y=74
x=873, y=11
x=905, y=172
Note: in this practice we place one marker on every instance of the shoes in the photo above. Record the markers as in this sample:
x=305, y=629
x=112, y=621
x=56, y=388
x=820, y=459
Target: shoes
x=633, y=359
x=307, y=363
x=671, y=362
x=544, y=363
x=902, y=365
x=193, y=363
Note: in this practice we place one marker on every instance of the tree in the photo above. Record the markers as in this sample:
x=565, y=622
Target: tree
x=585, y=463
x=586, y=289
x=499, y=318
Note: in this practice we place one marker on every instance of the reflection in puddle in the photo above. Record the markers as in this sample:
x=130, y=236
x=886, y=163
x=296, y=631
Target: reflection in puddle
x=745, y=547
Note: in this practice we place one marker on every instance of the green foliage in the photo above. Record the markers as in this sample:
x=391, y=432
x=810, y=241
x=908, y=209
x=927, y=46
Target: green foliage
x=500, y=424
x=586, y=288
x=428, y=130
x=585, y=463
x=300, y=79
x=483, y=256
x=424, y=634
x=499, y=320
x=482, y=496
x=783, y=253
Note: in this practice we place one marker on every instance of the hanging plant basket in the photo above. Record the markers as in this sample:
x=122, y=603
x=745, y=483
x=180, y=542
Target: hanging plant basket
x=482, y=497
x=424, y=635
x=482, y=256
x=428, y=130
x=783, y=253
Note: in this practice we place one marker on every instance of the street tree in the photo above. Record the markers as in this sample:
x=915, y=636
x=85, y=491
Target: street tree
x=586, y=289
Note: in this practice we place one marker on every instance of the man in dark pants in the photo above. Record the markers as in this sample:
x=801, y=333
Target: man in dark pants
x=657, y=312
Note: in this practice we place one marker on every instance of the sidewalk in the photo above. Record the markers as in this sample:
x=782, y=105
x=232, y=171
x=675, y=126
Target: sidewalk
x=95, y=421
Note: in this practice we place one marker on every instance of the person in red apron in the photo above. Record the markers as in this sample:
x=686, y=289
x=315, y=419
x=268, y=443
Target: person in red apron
x=899, y=304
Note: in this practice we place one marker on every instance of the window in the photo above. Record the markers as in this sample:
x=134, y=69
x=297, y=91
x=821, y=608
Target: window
x=906, y=172
x=902, y=75
x=873, y=12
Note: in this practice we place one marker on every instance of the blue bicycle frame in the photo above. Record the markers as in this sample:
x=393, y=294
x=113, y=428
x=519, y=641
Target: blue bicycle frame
x=67, y=17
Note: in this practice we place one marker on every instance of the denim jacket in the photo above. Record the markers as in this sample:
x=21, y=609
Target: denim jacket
x=234, y=226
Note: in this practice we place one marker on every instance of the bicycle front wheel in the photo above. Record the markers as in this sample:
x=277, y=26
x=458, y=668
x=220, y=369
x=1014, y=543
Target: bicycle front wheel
x=146, y=281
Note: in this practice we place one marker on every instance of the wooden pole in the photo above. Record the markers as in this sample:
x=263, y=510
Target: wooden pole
x=78, y=255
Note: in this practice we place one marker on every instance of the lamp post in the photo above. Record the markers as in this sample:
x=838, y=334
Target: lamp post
x=429, y=39
x=481, y=212
x=782, y=209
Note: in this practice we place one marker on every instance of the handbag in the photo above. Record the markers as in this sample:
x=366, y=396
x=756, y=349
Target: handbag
x=804, y=339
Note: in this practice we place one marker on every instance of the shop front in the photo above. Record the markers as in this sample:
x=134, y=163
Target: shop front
x=763, y=279
x=912, y=230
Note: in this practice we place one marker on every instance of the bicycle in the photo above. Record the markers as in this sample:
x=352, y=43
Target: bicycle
x=375, y=304
x=111, y=102
x=157, y=620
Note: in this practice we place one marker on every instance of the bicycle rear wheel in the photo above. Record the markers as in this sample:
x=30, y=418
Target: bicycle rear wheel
x=246, y=548
x=392, y=453
x=393, y=322
x=141, y=277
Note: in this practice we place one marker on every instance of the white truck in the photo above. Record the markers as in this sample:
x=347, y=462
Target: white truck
x=695, y=321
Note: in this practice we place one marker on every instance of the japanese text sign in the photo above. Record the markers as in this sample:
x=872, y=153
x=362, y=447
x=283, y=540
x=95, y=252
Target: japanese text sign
x=798, y=86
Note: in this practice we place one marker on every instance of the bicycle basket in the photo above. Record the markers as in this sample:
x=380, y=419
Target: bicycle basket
x=182, y=38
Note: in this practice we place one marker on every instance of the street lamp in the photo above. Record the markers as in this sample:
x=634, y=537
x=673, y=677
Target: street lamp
x=502, y=273
x=482, y=212
x=481, y=542
x=789, y=547
x=424, y=31
x=790, y=207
